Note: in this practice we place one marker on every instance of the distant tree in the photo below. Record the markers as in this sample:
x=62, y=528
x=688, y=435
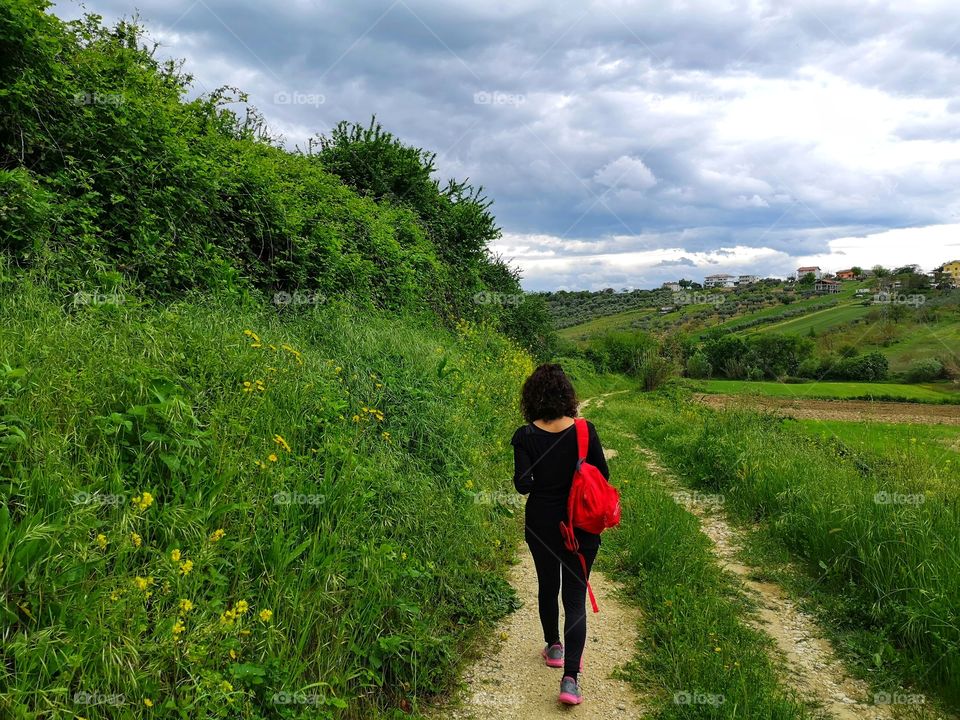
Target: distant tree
x=907, y=270
x=807, y=280
x=857, y=271
x=879, y=271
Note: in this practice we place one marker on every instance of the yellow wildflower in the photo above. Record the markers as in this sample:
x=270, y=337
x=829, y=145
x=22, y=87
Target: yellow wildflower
x=265, y=615
x=296, y=353
x=143, y=500
x=175, y=555
x=148, y=702
x=272, y=457
x=186, y=566
x=143, y=583
x=179, y=627
x=102, y=541
x=136, y=539
x=217, y=535
x=185, y=606
x=241, y=607
x=278, y=439
x=233, y=654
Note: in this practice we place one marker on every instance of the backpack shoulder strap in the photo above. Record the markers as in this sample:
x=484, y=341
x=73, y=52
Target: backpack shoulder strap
x=583, y=439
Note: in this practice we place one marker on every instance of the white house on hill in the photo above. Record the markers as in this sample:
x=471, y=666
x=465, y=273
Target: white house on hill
x=719, y=280
x=816, y=271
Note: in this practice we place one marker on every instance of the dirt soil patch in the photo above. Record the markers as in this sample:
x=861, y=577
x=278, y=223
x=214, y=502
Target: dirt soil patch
x=851, y=410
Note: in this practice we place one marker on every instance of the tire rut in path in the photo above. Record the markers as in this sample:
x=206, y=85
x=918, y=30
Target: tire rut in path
x=511, y=682
x=813, y=668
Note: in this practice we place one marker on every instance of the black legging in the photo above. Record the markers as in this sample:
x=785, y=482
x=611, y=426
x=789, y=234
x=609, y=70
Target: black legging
x=552, y=564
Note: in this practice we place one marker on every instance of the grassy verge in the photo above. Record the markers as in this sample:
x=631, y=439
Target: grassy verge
x=876, y=531
x=889, y=443
x=213, y=512
x=895, y=392
x=698, y=656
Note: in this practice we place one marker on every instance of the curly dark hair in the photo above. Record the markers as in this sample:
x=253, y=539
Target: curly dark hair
x=547, y=394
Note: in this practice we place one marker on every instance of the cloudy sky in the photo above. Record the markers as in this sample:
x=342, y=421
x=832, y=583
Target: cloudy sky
x=626, y=143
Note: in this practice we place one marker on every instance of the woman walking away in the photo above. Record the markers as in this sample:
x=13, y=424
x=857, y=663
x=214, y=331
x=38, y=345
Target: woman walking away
x=545, y=457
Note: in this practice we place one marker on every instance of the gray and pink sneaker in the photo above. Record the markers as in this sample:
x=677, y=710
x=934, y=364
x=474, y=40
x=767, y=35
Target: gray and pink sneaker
x=553, y=655
x=570, y=691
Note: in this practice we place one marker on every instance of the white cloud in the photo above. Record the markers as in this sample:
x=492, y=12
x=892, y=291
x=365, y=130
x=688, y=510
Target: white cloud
x=626, y=172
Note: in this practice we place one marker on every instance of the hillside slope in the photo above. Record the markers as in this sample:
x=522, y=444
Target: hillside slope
x=224, y=514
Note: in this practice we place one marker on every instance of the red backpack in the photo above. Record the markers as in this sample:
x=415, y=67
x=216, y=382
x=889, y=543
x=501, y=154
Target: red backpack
x=593, y=504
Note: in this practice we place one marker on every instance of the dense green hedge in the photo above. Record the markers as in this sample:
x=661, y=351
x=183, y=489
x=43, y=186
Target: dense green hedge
x=110, y=176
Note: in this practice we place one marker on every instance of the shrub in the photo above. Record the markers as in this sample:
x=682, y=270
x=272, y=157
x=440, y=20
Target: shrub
x=621, y=352
x=698, y=366
x=654, y=370
x=925, y=370
x=867, y=368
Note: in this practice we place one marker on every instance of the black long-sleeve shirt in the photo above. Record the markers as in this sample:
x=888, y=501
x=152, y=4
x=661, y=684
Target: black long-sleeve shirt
x=543, y=465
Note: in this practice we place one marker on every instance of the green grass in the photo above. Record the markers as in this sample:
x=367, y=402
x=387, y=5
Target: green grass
x=889, y=442
x=344, y=478
x=608, y=323
x=936, y=341
x=876, y=530
x=929, y=393
x=819, y=320
x=695, y=638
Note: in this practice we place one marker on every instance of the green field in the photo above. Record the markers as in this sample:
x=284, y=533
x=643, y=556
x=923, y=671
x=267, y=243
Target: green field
x=598, y=326
x=828, y=495
x=819, y=320
x=930, y=445
x=930, y=393
x=925, y=342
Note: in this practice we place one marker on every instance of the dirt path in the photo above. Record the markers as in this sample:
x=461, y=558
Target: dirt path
x=597, y=400
x=814, y=669
x=511, y=682
x=852, y=410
